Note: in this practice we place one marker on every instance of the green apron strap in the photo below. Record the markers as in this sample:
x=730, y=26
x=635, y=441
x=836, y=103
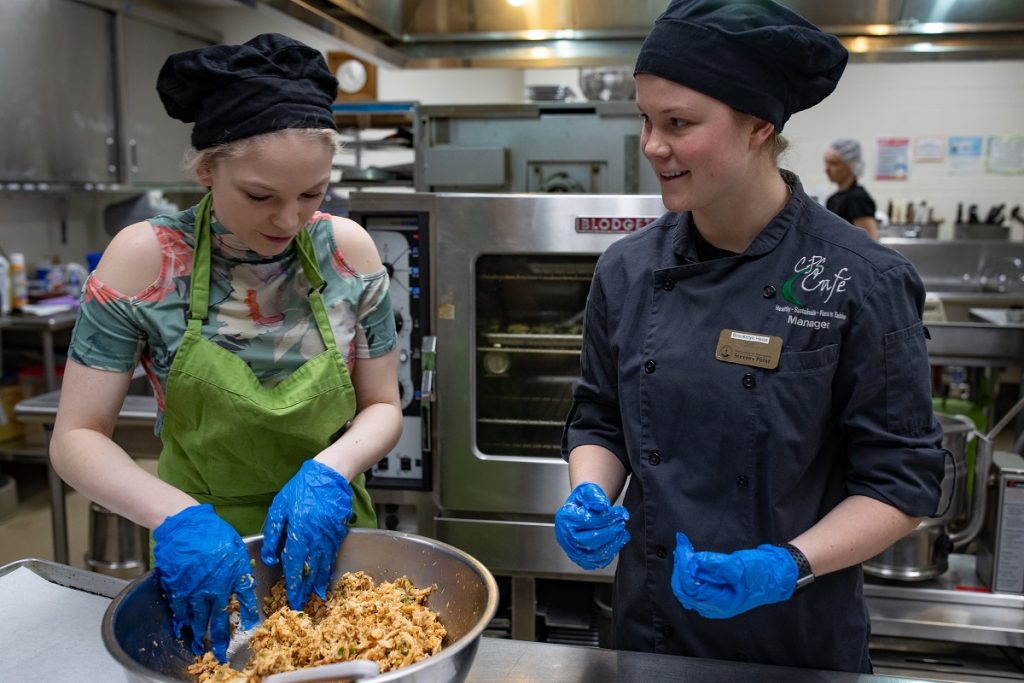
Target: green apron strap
x=199, y=287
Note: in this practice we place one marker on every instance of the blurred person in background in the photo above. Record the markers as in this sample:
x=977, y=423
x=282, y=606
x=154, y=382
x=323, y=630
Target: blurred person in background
x=266, y=330
x=844, y=163
x=753, y=367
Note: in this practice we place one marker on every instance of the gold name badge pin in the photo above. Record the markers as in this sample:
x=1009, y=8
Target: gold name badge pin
x=748, y=348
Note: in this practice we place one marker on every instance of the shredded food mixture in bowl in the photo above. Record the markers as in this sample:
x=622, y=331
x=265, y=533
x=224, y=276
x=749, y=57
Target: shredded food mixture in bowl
x=388, y=623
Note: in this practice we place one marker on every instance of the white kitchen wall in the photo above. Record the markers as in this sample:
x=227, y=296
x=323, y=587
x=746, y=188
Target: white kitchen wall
x=918, y=99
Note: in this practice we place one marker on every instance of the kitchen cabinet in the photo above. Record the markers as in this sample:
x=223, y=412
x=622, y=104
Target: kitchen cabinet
x=58, y=110
x=154, y=142
x=80, y=105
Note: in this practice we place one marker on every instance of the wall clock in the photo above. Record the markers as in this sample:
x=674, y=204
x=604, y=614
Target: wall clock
x=357, y=78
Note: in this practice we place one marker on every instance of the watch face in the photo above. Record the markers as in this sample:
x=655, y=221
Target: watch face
x=351, y=76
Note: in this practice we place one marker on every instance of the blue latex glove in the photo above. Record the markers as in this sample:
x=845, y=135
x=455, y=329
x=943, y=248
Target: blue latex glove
x=314, y=507
x=589, y=528
x=722, y=585
x=201, y=560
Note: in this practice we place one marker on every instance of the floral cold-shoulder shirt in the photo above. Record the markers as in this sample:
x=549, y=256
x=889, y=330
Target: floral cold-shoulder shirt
x=259, y=307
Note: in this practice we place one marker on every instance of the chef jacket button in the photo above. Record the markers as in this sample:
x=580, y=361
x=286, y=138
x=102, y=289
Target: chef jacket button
x=749, y=381
x=667, y=631
x=654, y=458
x=743, y=481
x=650, y=366
x=740, y=657
x=668, y=283
x=661, y=551
x=768, y=292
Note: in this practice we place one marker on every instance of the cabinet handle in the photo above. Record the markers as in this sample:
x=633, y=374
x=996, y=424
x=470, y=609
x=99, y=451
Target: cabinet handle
x=428, y=355
x=111, y=158
x=133, y=151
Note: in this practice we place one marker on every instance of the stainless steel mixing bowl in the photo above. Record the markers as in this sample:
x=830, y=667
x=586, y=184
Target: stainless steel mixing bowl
x=137, y=624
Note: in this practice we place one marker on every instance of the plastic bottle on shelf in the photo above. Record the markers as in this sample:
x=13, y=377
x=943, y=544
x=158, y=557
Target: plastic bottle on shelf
x=19, y=282
x=5, y=286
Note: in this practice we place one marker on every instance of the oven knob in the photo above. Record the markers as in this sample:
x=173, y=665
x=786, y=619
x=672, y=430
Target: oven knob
x=403, y=357
x=399, y=321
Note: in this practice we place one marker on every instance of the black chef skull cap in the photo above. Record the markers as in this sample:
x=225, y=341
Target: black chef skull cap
x=231, y=92
x=754, y=55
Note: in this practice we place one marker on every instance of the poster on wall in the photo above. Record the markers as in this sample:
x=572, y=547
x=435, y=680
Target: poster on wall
x=930, y=149
x=965, y=154
x=893, y=156
x=1005, y=154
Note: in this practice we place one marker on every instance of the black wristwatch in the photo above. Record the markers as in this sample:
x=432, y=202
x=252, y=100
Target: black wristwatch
x=804, y=575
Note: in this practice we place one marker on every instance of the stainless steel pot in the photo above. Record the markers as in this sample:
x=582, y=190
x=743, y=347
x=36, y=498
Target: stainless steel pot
x=924, y=552
x=137, y=624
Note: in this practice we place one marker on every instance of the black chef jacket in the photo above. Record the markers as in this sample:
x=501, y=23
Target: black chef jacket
x=736, y=456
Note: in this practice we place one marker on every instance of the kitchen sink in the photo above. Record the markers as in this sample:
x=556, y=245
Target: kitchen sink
x=975, y=329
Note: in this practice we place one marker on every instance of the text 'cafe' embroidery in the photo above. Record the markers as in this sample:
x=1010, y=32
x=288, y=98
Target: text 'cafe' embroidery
x=613, y=224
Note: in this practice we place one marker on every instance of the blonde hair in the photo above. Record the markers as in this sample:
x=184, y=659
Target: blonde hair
x=776, y=145
x=209, y=156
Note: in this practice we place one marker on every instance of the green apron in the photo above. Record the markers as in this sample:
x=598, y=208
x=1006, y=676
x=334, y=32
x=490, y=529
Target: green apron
x=229, y=441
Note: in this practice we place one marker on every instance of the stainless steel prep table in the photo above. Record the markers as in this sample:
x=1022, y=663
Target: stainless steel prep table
x=137, y=411
x=497, y=660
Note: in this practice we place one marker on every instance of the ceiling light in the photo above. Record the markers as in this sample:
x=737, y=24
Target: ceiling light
x=516, y=3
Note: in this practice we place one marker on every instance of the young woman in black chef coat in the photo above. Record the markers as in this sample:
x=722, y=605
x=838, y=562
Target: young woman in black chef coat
x=753, y=365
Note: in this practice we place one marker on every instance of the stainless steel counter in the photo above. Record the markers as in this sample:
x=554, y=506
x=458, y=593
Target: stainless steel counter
x=497, y=660
x=954, y=607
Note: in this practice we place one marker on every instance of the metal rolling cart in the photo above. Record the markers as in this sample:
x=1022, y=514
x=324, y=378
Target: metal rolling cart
x=133, y=431
x=46, y=326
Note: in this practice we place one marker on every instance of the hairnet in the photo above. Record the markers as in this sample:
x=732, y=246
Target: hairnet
x=848, y=150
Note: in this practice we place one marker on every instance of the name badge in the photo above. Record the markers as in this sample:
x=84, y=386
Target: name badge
x=747, y=348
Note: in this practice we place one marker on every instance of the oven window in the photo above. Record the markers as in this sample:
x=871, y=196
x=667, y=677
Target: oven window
x=529, y=316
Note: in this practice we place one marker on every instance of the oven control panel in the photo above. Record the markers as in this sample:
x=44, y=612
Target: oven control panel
x=399, y=238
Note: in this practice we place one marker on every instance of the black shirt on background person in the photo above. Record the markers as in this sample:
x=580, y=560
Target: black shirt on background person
x=844, y=163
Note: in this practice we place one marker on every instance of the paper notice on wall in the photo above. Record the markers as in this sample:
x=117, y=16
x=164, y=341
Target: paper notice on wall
x=893, y=156
x=965, y=154
x=1005, y=154
x=929, y=149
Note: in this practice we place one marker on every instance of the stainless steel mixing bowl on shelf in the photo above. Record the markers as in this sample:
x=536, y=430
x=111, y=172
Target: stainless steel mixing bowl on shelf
x=137, y=625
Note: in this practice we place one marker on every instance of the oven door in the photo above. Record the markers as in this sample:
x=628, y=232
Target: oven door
x=511, y=278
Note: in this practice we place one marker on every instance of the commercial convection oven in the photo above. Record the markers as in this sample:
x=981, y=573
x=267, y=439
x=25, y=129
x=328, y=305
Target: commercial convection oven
x=510, y=277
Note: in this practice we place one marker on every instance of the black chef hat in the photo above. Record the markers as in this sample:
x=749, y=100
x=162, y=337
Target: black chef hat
x=237, y=91
x=754, y=55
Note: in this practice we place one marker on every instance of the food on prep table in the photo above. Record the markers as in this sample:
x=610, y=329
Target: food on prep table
x=388, y=623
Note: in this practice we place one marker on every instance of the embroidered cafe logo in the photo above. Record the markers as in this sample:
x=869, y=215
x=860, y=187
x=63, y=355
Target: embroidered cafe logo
x=811, y=275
